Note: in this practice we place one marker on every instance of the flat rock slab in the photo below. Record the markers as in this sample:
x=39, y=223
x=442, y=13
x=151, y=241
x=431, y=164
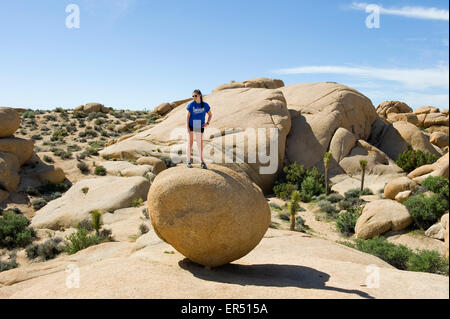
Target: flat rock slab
x=284, y=265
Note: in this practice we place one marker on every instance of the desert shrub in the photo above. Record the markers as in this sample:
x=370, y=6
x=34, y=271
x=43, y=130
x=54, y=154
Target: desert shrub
x=91, y=151
x=51, y=196
x=36, y=137
x=47, y=191
x=300, y=225
x=284, y=215
x=428, y=261
x=83, y=167
x=345, y=222
x=7, y=265
x=85, y=224
x=145, y=213
x=327, y=207
x=91, y=133
x=152, y=117
x=334, y=197
x=99, y=121
x=137, y=202
x=14, y=230
x=366, y=191
x=81, y=239
x=45, y=251
x=284, y=190
x=426, y=210
x=410, y=159
x=48, y=159
x=396, y=255
x=59, y=134
x=296, y=177
x=79, y=114
x=59, y=110
x=143, y=229
x=352, y=193
x=311, y=186
x=438, y=185
x=401, y=256
x=100, y=170
x=38, y=203
x=81, y=155
x=28, y=115
x=73, y=148
x=61, y=153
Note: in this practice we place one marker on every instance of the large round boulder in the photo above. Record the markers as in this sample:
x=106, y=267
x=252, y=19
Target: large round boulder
x=9, y=121
x=380, y=216
x=212, y=216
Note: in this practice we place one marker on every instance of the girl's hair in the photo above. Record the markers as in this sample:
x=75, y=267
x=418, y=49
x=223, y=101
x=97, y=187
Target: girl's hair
x=201, y=96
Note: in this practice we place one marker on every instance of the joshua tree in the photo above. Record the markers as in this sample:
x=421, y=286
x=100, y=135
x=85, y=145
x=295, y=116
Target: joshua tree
x=96, y=221
x=363, y=164
x=293, y=207
x=326, y=161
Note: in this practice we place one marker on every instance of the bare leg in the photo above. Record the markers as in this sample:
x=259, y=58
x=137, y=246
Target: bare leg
x=199, y=140
x=189, y=146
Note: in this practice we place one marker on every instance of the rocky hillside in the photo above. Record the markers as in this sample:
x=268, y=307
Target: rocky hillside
x=98, y=190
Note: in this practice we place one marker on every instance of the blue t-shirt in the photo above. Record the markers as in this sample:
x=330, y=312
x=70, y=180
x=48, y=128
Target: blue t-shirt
x=197, y=118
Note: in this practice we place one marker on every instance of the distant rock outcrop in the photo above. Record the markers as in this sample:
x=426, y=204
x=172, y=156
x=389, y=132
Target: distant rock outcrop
x=265, y=83
x=93, y=108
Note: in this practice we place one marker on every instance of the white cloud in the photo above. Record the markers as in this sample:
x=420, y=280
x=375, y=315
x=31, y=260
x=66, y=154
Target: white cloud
x=417, y=79
x=409, y=12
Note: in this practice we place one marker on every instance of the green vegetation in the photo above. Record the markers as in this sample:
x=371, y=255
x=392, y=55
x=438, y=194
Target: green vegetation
x=143, y=229
x=438, y=185
x=363, y=165
x=47, y=191
x=295, y=177
x=293, y=206
x=326, y=162
x=401, y=257
x=7, y=265
x=426, y=210
x=14, y=230
x=82, y=238
x=145, y=213
x=83, y=167
x=47, y=250
x=100, y=170
x=28, y=115
x=346, y=221
x=137, y=202
x=410, y=159
x=38, y=203
x=48, y=159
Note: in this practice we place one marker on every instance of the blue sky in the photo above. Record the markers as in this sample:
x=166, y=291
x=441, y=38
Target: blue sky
x=136, y=54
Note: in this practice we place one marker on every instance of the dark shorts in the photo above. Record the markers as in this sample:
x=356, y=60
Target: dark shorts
x=196, y=129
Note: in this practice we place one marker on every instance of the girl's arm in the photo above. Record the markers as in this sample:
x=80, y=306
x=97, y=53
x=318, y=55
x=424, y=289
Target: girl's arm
x=209, y=117
x=187, y=120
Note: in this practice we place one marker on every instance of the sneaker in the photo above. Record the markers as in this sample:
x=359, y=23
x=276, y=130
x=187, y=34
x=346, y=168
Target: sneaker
x=188, y=164
x=204, y=166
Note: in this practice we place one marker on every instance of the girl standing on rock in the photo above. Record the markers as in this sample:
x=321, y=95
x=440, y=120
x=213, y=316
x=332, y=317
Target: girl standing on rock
x=195, y=121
